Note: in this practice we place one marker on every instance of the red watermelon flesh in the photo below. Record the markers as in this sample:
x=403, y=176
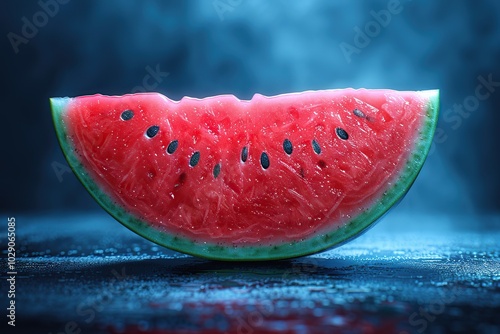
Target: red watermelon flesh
x=273, y=177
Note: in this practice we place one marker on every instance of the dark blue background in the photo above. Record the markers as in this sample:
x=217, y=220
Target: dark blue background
x=267, y=47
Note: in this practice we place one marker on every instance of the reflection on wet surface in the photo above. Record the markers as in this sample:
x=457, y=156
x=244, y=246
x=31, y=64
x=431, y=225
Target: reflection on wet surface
x=92, y=273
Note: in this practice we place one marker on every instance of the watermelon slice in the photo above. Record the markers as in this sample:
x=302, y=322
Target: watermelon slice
x=270, y=178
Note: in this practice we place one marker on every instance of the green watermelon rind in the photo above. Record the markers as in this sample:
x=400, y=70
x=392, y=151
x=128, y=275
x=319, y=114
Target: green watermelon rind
x=261, y=252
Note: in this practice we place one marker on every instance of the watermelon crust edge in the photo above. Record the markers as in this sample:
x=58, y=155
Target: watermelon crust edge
x=313, y=245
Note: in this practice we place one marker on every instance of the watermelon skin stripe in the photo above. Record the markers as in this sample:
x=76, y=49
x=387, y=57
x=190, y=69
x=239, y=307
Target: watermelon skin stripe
x=312, y=245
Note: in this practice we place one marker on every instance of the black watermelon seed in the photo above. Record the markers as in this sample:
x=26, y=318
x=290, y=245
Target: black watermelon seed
x=152, y=131
x=342, y=133
x=195, y=158
x=127, y=114
x=316, y=147
x=172, y=146
x=216, y=170
x=244, y=154
x=264, y=160
x=359, y=113
x=287, y=146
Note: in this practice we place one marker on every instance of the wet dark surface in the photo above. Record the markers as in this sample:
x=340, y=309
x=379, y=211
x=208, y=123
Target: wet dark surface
x=88, y=274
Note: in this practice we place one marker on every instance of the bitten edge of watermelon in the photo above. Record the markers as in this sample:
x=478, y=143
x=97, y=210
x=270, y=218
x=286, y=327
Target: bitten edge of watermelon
x=255, y=253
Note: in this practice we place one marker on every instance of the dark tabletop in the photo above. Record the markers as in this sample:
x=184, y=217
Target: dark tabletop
x=409, y=274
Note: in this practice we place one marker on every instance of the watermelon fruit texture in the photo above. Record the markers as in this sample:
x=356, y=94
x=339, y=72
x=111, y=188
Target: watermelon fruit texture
x=269, y=178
